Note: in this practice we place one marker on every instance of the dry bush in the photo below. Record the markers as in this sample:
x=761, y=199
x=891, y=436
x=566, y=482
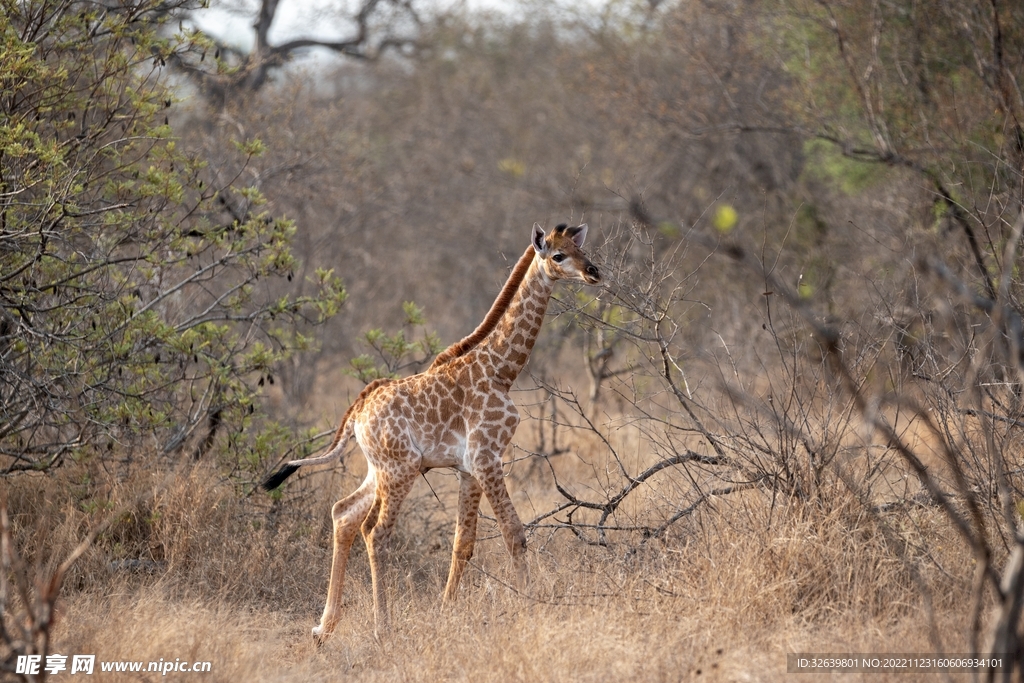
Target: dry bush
x=188, y=531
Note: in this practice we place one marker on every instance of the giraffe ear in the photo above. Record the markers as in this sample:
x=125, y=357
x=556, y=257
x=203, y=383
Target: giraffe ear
x=538, y=238
x=579, y=235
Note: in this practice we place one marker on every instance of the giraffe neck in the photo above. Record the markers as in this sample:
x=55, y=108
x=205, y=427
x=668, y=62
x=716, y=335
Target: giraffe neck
x=512, y=339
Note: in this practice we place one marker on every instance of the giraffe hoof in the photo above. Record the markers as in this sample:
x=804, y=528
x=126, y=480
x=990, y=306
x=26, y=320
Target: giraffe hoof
x=319, y=635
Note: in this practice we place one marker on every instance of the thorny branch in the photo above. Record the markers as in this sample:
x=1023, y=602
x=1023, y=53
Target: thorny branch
x=1007, y=586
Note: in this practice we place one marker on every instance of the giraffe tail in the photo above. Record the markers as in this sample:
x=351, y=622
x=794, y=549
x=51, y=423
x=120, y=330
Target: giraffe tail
x=278, y=477
x=334, y=451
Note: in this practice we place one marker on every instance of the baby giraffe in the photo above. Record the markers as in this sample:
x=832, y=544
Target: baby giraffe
x=455, y=414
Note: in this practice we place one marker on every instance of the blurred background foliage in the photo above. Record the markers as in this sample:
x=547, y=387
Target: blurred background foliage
x=207, y=249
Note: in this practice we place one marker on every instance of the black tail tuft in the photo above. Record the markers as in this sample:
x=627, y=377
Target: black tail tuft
x=277, y=478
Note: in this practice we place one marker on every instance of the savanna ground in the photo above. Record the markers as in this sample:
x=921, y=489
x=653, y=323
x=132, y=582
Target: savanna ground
x=789, y=420
x=726, y=600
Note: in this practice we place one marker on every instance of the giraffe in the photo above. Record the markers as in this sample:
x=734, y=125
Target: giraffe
x=457, y=414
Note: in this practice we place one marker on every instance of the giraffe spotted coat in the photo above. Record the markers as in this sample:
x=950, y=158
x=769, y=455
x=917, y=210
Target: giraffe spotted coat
x=457, y=414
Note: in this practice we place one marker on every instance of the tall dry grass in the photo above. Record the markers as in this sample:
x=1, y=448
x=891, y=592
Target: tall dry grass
x=191, y=570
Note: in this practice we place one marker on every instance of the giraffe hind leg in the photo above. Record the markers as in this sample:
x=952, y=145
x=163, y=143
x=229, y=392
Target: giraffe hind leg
x=348, y=515
x=465, y=533
x=392, y=488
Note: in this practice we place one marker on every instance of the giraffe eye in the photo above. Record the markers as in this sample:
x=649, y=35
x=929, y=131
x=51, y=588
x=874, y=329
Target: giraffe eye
x=558, y=258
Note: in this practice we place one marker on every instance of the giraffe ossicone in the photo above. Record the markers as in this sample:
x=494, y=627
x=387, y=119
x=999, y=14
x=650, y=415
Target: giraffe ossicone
x=456, y=414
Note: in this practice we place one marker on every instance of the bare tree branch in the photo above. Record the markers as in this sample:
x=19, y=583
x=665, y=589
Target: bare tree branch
x=374, y=34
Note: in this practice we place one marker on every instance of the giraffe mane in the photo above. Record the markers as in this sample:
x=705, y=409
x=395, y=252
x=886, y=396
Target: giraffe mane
x=490, y=321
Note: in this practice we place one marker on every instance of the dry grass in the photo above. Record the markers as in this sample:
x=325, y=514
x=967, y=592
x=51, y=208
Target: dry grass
x=603, y=620
x=239, y=584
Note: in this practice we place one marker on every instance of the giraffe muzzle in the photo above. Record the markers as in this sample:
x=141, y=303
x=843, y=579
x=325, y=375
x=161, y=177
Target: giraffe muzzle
x=591, y=274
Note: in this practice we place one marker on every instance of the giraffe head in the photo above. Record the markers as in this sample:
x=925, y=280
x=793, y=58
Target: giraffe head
x=561, y=253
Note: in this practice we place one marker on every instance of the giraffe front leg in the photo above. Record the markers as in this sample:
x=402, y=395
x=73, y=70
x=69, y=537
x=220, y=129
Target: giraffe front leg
x=465, y=533
x=493, y=482
x=348, y=515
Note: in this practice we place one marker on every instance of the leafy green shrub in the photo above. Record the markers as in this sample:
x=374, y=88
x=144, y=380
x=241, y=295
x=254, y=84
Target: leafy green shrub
x=134, y=304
